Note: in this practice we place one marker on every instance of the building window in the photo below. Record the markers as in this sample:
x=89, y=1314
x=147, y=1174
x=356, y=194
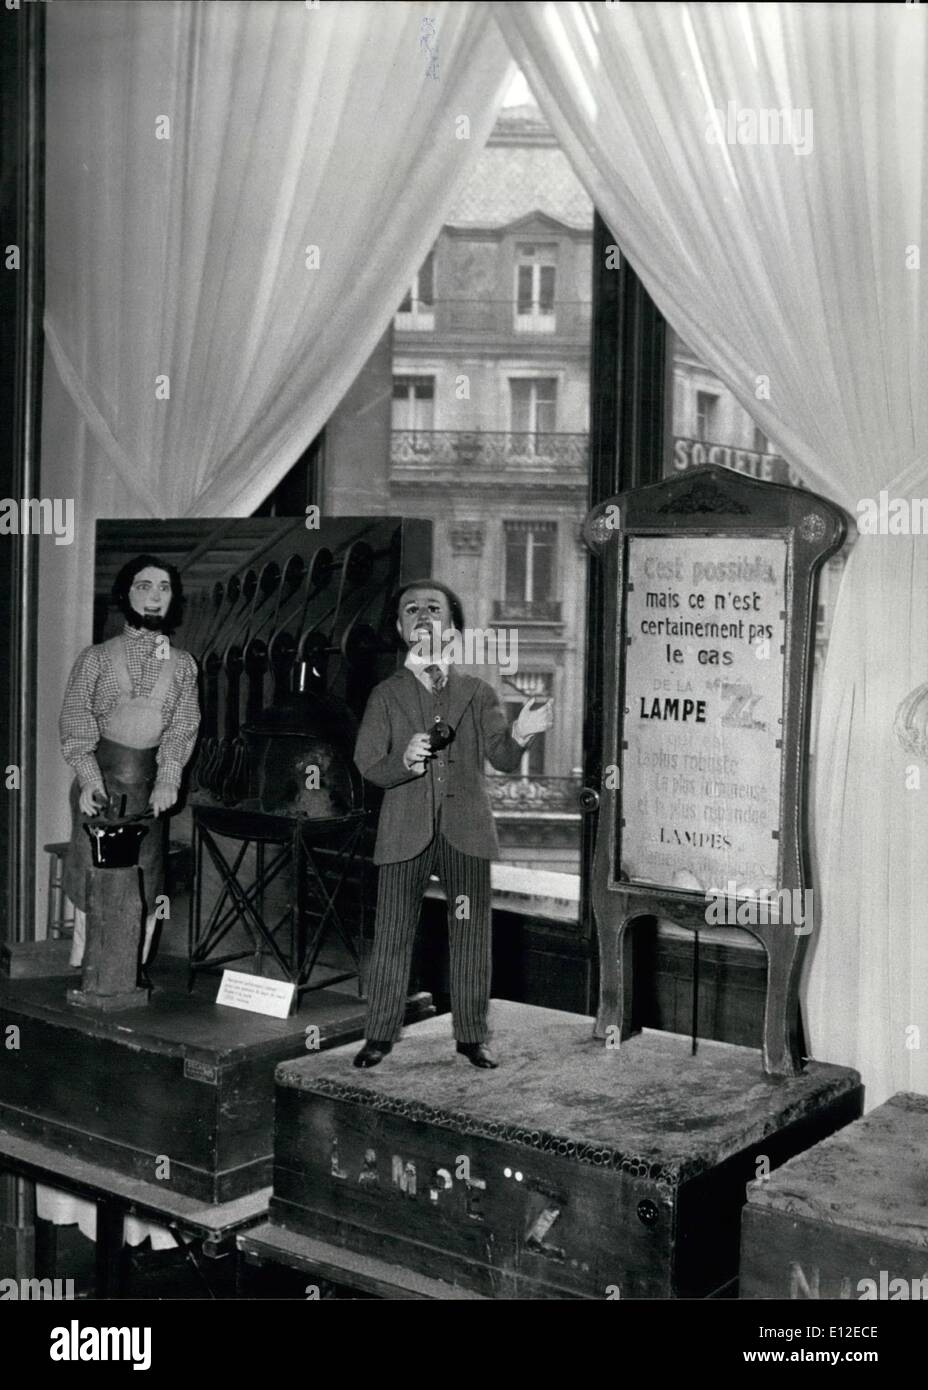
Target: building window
x=539, y=685
x=414, y=403
x=514, y=254
x=530, y=551
x=533, y=415
x=536, y=274
x=417, y=310
x=706, y=407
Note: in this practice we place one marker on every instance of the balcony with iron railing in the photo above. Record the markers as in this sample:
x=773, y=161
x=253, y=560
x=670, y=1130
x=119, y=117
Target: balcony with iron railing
x=490, y=449
x=568, y=320
x=526, y=610
x=535, y=795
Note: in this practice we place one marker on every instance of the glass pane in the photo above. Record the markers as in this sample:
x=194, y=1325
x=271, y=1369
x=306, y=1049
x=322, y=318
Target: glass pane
x=402, y=406
x=427, y=280
x=546, y=292
x=413, y=403
x=516, y=564
x=543, y=551
x=510, y=361
x=423, y=410
x=706, y=417
x=525, y=288
x=511, y=708
x=546, y=408
x=521, y=405
x=536, y=756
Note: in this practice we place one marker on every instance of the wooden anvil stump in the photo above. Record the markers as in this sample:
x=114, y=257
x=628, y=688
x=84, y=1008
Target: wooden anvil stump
x=111, y=955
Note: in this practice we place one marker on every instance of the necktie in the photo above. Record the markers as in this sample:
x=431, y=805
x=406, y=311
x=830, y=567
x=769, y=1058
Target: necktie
x=437, y=677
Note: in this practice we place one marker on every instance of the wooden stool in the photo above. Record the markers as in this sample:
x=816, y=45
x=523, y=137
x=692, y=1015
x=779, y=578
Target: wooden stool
x=60, y=920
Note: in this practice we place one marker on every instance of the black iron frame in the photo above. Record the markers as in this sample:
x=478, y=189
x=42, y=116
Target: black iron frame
x=294, y=842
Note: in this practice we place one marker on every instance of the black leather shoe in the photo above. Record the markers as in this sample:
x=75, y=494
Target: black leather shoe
x=372, y=1053
x=477, y=1055
x=144, y=979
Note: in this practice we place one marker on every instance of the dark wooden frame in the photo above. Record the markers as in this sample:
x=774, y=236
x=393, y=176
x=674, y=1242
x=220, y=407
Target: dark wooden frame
x=22, y=104
x=630, y=401
x=22, y=122
x=718, y=503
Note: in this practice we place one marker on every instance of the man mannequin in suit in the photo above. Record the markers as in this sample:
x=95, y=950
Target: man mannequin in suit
x=435, y=817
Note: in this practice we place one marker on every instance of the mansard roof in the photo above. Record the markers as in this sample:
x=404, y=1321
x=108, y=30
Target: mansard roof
x=520, y=172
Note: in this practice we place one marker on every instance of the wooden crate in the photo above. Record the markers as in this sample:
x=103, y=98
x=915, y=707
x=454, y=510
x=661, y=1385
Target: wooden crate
x=572, y=1170
x=180, y=1092
x=849, y=1218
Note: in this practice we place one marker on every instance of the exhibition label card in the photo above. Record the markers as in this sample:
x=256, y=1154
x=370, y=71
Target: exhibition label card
x=256, y=994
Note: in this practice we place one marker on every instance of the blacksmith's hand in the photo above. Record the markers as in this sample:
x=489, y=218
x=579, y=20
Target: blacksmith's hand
x=162, y=798
x=92, y=801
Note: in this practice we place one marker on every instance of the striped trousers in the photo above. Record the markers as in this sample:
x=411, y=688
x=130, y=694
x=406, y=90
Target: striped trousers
x=400, y=889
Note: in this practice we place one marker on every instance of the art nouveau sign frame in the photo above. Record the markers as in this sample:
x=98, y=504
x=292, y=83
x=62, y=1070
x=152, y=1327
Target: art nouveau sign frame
x=710, y=582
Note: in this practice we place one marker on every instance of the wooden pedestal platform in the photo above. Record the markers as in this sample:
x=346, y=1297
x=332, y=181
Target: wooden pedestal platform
x=180, y=1092
x=571, y=1170
x=848, y=1219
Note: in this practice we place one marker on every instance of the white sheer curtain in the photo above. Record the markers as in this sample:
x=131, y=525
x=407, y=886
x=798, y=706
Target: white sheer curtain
x=195, y=152
x=795, y=276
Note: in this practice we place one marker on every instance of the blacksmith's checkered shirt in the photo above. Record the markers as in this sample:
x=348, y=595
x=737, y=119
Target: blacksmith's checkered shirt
x=93, y=691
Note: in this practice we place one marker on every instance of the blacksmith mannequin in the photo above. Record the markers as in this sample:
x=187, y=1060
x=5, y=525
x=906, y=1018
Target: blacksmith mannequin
x=128, y=726
x=435, y=816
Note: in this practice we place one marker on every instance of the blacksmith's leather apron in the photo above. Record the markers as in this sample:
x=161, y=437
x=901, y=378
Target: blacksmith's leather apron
x=127, y=758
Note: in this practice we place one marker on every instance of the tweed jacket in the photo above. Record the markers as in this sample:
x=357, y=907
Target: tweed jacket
x=408, y=814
